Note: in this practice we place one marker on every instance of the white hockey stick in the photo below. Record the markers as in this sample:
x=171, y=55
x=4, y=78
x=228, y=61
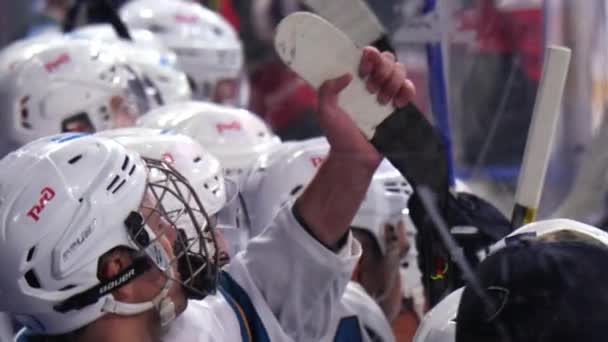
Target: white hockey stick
x=541, y=135
x=353, y=17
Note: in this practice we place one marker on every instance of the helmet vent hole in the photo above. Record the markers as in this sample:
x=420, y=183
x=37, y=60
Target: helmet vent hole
x=32, y=279
x=68, y=287
x=295, y=190
x=75, y=159
x=30, y=254
x=125, y=163
x=197, y=159
x=119, y=186
x=132, y=170
x=112, y=183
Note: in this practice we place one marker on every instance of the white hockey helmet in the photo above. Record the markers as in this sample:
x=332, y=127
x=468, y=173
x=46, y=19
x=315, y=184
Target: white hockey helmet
x=68, y=85
x=218, y=196
x=554, y=230
x=201, y=168
x=208, y=48
x=386, y=201
x=284, y=175
x=69, y=199
x=236, y=136
x=156, y=64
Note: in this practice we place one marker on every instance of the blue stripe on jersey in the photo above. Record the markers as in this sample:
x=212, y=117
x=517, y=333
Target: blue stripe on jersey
x=349, y=330
x=236, y=295
x=242, y=323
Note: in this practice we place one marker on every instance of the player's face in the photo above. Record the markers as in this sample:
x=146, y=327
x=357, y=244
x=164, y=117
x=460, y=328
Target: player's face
x=226, y=91
x=167, y=235
x=222, y=247
x=124, y=112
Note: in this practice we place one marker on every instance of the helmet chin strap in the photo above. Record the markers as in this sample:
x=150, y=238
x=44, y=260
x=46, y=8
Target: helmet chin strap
x=162, y=303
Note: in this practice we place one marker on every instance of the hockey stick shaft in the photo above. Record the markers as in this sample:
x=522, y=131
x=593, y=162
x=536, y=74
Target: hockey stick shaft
x=541, y=135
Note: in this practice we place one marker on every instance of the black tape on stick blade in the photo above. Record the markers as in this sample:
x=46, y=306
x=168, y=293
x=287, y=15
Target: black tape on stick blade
x=416, y=149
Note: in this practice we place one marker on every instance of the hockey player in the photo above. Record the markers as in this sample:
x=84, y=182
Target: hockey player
x=204, y=174
x=90, y=253
x=208, y=48
x=236, y=136
x=281, y=176
x=531, y=277
x=380, y=227
x=65, y=85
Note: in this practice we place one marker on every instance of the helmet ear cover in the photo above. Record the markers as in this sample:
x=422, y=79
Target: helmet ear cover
x=140, y=264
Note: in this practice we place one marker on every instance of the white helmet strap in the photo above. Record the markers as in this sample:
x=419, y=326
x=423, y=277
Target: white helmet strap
x=162, y=303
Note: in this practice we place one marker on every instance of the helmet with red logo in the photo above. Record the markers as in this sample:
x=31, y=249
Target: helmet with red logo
x=68, y=85
x=157, y=65
x=201, y=168
x=208, y=48
x=68, y=200
x=218, y=196
x=236, y=136
x=23, y=49
x=279, y=177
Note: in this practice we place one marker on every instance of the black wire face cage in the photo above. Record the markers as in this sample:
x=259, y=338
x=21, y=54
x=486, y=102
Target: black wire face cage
x=171, y=214
x=171, y=207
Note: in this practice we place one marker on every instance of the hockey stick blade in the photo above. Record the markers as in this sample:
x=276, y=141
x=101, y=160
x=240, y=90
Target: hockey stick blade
x=355, y=19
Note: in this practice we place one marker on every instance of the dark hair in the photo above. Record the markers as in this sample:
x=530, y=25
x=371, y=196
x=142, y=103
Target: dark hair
x=542, y=291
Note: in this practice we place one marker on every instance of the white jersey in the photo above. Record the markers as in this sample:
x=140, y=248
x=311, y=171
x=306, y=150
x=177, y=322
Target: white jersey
x=214, y=319
x=373, y=323
x=285, y=286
